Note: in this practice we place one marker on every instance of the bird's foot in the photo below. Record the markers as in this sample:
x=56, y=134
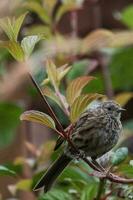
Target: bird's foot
x=99, y=165
x=108, y=170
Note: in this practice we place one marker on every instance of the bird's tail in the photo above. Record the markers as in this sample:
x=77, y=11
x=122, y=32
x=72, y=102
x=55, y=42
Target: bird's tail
x=52, y=173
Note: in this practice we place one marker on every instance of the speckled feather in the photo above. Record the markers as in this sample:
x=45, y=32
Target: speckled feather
x=95, y=133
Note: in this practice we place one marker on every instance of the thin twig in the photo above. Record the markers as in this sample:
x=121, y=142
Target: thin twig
x=62, y=102
x=100, y=174
x=118, y=179
x=50, y=110
x=61, y=135
x=93, y=166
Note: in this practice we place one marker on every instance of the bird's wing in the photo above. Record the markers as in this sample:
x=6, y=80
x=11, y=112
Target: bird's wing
x=89, y=119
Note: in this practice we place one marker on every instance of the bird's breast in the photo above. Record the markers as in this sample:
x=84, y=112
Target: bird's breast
x=98, y=139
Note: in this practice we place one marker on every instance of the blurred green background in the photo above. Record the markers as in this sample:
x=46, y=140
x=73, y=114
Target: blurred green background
x=95, y=38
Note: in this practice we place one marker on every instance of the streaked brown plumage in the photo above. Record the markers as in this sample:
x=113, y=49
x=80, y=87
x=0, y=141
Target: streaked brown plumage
x=95, y=133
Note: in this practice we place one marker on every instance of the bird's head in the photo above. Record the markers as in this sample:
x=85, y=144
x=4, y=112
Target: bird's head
x=112, y=108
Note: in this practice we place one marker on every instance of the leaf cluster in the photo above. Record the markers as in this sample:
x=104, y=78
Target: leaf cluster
x=73, y=102
x=11, y=27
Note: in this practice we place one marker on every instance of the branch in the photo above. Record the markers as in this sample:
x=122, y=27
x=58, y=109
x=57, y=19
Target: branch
x=62, y=101
x=112, y=177
x=50, y=110
x=97, y=171
x=118, y=179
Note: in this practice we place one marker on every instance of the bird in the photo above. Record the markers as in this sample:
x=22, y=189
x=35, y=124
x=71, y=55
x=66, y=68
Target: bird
x=95, y=133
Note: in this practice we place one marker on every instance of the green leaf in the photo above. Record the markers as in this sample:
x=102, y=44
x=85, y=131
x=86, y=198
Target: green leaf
x=127, y=16
x=39, y=10
x=75, y=88
x=119, y=156
x=17, y=25
x=49, y=5
x=122, y=39
x=6, y=26
x=123, y=98
x=41, y=29
x=75, y=174
x=14, y=49
x=89, y=192
x=96, y=40
x=52, y=73
x=6, y=171
x=11, y=27
x=80, y=104
x=59, y=72
x=49, y=93
x=24, y=185
x=122, y=61
x=16, y=166
x=96, y=85
x=126, y=170
x=28, y=43
x=39, y=117
x=63, y=70
x=9, y=121
x=56, y=194
x=79, y=68
x=128, y=125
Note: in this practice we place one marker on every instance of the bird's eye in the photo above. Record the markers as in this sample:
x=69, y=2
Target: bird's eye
x=109, y=108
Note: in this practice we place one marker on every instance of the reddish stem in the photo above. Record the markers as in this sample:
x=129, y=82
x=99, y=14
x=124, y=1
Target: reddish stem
x=50, y=110
x=62, y=102
x=66, y=134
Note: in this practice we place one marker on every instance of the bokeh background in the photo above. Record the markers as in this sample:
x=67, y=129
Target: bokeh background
x=95, y=37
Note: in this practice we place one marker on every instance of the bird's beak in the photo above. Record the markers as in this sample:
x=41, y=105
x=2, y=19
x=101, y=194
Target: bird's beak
x=121, y=109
